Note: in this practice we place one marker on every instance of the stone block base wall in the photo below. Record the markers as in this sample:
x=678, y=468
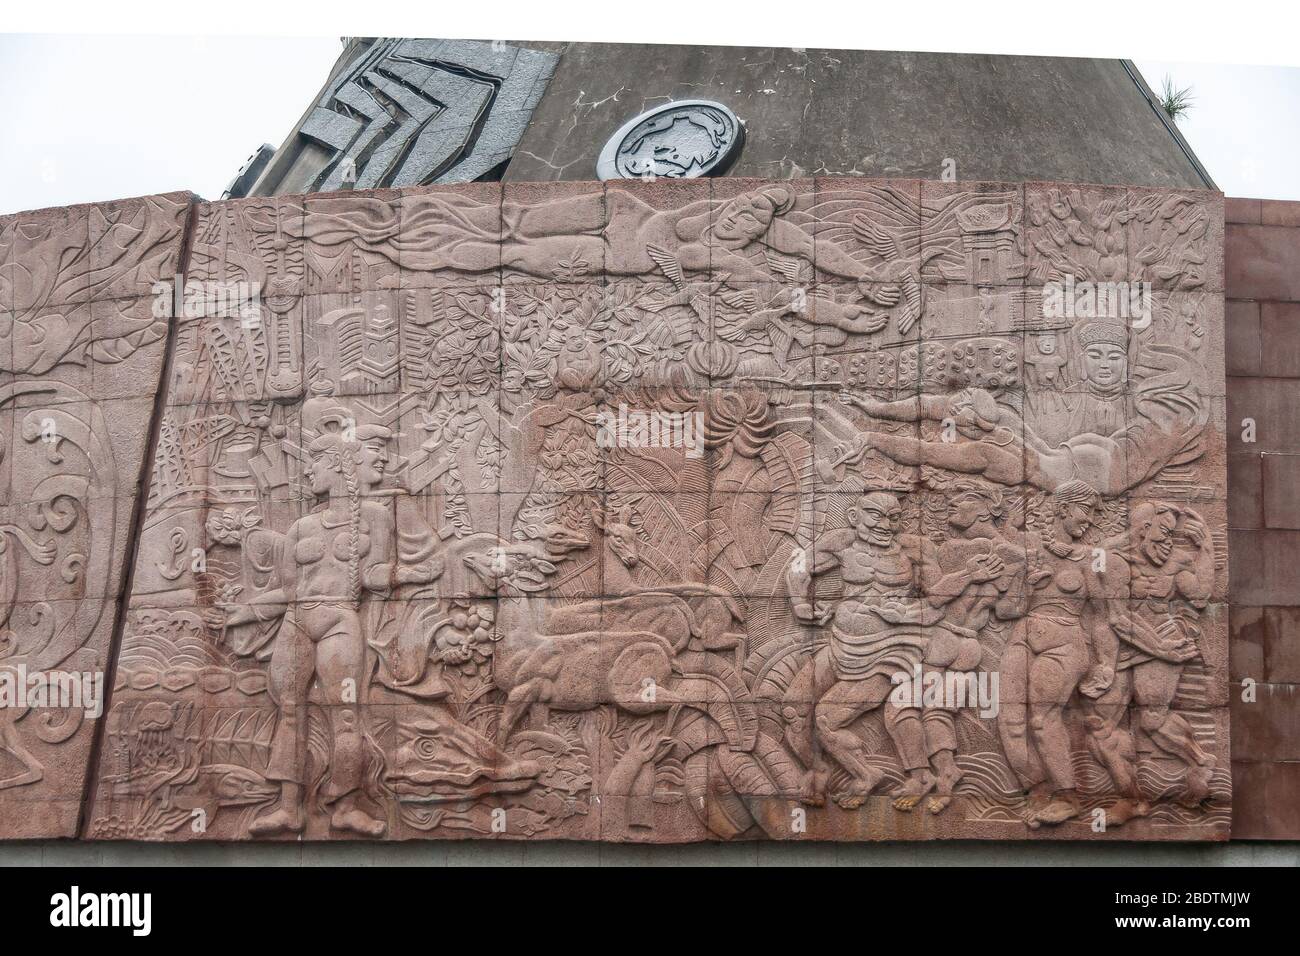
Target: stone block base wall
x=619, y=512
x=1263, y=367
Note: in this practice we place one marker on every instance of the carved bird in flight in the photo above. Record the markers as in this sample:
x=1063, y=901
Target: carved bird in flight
x=900, y=276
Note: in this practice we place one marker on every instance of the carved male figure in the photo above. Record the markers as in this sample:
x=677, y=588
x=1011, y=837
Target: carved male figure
x=879, y=629
x=956, y=576
x=1170, y=584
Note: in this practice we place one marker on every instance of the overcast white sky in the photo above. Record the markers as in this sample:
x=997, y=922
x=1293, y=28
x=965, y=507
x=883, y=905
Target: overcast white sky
x=1244, y=124
x=102, y=117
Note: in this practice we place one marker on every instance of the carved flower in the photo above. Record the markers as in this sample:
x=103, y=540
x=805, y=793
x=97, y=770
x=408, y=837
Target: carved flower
x=713, y=359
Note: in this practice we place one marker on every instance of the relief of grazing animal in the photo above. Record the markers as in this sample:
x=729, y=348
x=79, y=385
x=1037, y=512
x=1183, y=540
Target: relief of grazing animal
x=620, y=650
x=558, y=657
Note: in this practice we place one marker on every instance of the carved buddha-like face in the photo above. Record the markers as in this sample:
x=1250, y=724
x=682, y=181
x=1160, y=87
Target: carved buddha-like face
x=372, y=461
x=877, y=519
x=1158, y=537
x=1105, y=364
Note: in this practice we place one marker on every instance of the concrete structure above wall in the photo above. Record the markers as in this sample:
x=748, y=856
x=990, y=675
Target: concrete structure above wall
x=406, y=112
x=869, y=113
x=398, y=112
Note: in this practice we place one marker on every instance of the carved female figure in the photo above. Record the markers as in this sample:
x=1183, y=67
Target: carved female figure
x=437, y=231
x=1065, y=642
x=330, y=560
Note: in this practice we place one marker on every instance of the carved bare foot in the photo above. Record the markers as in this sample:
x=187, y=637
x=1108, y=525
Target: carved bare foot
x=1126, y=810
x=812, y=788
x=859, y=788
x=278, y=821
x=1040, y=795
x=1198, y=786
x=948, y=779
x=358, y=822
x=916, y=786
x=1062, y=807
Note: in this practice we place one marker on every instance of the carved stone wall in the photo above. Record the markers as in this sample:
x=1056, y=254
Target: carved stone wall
x=81, y=356
x=685, y=510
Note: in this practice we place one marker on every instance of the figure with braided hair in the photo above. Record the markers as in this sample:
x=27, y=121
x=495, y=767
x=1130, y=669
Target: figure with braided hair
x=1067, y=641
x=331, y=559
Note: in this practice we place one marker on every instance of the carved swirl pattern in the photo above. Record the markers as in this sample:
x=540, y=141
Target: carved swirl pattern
x=81, y=353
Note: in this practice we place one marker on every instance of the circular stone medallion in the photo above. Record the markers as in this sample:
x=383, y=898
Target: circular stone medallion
x=683, y=139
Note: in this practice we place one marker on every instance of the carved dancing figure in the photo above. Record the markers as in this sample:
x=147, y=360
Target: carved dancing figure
x=880, y=629
x=1170, y=584
x=1065, y=642
x=956, y=578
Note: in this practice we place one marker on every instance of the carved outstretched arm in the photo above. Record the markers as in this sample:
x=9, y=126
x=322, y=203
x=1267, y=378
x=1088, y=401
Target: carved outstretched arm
x=922, y=408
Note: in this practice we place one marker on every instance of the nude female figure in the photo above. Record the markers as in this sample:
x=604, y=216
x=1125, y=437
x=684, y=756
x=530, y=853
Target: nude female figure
x=1066, y=642
x=330, y=560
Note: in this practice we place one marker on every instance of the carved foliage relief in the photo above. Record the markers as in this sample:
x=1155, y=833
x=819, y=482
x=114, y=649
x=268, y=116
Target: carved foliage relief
x=684, y=510
x=81, y=355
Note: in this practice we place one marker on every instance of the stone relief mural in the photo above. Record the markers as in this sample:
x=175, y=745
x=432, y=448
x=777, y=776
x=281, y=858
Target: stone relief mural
x=685, y=510
x=81, y=355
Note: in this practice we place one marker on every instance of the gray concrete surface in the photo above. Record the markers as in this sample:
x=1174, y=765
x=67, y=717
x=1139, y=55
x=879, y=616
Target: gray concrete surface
x=863, y=112
x=64, y=853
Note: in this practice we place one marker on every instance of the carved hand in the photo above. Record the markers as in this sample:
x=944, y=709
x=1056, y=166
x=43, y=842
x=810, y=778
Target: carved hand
x=1194, y=528
x=1176, y=644
x=985, y=567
